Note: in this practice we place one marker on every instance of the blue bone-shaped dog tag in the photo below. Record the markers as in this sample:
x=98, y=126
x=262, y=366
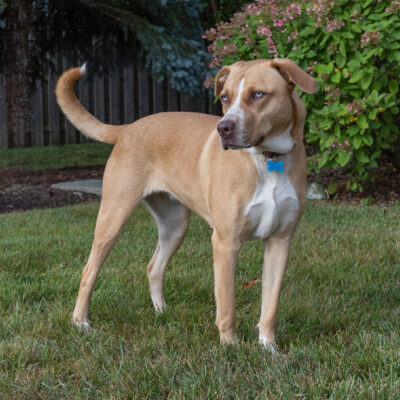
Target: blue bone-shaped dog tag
x=275, y=166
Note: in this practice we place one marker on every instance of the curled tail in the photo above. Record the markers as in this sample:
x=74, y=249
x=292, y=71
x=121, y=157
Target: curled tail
x=77, y=114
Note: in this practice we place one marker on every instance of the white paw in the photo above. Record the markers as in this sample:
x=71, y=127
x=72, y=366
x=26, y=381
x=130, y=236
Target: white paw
x=82, y=325
x=159, y=304
x=268, y=345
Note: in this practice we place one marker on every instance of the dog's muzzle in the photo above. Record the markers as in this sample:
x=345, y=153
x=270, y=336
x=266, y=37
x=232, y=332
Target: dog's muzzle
x=228, y=137
x=226, y=128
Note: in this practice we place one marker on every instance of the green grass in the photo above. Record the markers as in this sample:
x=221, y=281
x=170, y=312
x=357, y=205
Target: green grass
x=49, y=157
x=338, y=325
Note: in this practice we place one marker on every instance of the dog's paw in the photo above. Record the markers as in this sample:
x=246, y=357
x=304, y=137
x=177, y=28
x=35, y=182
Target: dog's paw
x=228, y=338
x=82, y=325
x=159, y=304
x=268, y=345
x=229, y=342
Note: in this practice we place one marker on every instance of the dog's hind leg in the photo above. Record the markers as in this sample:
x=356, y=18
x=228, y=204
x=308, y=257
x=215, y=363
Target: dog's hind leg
x=172, y=219
x=120, y=196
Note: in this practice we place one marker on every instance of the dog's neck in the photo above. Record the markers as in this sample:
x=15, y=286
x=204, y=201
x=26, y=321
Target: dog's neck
x=277, y=146
x=269, y=155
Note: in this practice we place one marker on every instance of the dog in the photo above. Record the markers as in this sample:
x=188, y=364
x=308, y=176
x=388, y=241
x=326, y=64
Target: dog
x=245, y=174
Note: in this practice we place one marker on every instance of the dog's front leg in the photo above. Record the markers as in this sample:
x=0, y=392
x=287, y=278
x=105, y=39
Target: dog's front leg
x=225, y=257
x=276, y=254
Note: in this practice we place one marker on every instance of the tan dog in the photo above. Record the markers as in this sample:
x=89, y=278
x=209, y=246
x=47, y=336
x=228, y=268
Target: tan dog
x=176, y=162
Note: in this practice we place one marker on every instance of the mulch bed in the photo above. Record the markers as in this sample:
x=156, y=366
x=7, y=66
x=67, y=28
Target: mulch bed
x=384, y=191
x=26, y=190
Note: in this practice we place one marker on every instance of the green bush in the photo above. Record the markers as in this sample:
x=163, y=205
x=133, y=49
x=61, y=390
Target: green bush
x=352, y=48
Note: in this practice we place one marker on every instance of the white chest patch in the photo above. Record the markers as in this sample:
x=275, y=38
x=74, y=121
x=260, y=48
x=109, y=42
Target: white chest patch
x=282, y=143
x=274, y=204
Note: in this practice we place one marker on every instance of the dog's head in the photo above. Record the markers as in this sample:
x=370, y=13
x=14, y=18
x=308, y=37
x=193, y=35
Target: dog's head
x=257, y=101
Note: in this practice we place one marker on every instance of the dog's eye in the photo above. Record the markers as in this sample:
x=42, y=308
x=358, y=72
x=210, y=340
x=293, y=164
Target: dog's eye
x=224, y=98
x=258, y=95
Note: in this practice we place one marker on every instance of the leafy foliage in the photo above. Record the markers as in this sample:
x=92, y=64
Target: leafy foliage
x=107, y=32
x=352, y=48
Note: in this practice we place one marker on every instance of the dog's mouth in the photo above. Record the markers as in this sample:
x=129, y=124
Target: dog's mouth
x=235, y=147
x=259, y=141
x=232, y=144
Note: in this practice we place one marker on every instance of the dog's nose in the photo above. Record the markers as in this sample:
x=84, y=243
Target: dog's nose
x=226, y=128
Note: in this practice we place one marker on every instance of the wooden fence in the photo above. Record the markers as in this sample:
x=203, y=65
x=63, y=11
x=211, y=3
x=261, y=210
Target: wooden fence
x=119, y=97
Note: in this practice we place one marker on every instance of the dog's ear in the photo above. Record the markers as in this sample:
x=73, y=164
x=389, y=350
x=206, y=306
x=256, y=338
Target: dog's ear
x=293, y=74
x=220, y=79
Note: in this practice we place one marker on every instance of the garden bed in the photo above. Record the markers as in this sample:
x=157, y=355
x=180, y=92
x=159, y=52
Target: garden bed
x=26, y=190
x=384, y=191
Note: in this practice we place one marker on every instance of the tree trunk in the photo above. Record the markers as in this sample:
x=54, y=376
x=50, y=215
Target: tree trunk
x=17, y=73
x=214, y=8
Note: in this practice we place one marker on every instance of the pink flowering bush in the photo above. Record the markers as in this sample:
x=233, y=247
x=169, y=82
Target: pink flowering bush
x=352, y=48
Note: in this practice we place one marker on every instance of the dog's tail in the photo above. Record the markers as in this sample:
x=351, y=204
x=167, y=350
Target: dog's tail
x=77, y=114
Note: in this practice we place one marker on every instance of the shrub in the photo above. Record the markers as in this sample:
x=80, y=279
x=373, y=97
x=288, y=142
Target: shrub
x=352, y=48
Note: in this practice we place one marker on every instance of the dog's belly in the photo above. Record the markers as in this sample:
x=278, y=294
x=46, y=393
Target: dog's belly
x=274, y=204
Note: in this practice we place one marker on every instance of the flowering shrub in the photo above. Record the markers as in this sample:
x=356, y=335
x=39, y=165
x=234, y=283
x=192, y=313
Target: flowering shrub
x=352, y=48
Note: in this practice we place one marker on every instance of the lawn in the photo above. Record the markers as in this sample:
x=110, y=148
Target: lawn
x=338, y=325
x=51, y=157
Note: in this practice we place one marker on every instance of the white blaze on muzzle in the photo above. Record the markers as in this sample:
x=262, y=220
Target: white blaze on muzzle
x=235, y=113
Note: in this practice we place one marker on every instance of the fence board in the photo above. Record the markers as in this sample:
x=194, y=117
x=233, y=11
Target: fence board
x=37, y=114
x=129, y=94
x=53, y=109
x=172, y=99
x=114, y=105
x=188, y=103
x=214, y=108
x=158, y=97
x=3, y=114
x=98, y=96
x=199, y=105
x=143, y=92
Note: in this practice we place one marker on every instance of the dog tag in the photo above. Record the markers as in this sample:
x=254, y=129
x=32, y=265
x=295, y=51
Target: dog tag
x=275, y=166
